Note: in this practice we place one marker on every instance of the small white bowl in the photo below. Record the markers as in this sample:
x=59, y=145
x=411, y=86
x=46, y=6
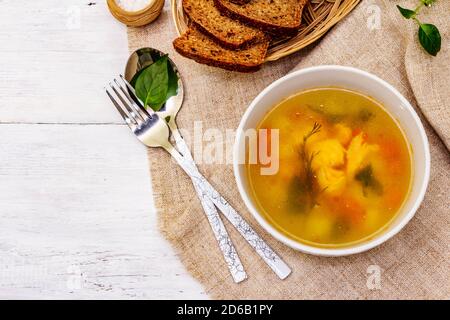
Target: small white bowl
x=352, y=79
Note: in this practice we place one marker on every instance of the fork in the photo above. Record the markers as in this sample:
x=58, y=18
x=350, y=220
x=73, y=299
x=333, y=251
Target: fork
x=224, y=242
x=226, y=245
x=153, y=131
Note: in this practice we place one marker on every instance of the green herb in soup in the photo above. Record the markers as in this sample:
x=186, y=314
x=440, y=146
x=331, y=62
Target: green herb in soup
x=344, y=168
x=368, y=181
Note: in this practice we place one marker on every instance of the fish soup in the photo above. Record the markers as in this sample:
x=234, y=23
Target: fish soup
x=344, y=168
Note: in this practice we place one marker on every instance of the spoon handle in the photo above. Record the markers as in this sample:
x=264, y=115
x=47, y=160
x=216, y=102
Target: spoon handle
x=224, y=241
x=274, y=261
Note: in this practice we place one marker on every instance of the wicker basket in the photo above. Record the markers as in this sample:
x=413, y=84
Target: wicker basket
x=318, y=17
x=136, y=18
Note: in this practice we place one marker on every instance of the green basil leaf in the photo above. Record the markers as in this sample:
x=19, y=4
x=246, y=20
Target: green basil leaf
x=147, y=57
x=152, y=84
x=406, y=12
x=429, y=38
x=136, y=76
x=173, y=82
x=428, y=2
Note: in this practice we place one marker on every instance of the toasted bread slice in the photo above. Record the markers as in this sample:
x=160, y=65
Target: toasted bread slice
x=240, y=1
x=198, y=46
x=227, y=32
x=274, y=16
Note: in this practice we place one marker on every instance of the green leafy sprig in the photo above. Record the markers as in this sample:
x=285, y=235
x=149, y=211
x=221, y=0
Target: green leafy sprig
x=429, y=36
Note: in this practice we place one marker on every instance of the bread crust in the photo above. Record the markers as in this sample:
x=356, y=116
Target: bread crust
x=215, y=63
x=194, y=35
x=262, y=25
x=189, y=10
x=225, y=44
x=241, y=2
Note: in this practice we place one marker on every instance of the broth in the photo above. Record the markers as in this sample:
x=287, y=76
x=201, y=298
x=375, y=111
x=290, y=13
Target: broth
x=344, y=168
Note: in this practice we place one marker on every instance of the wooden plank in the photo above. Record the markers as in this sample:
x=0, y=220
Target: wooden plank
x=56, y=57
x=77, y=218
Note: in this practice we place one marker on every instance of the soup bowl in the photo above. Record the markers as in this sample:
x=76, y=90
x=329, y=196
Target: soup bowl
x=356, y=80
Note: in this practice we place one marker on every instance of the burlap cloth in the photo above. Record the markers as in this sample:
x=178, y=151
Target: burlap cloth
x=414, y=264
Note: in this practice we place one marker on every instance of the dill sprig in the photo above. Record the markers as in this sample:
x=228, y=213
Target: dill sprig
x=315, y=129
x=308, y=177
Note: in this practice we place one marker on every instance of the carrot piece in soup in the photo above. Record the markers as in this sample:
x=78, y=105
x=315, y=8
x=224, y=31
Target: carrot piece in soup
x=389, y=148
x=347, y=207
x=390, y=151
x=356, y=132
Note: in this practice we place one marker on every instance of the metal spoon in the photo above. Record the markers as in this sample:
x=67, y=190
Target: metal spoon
x=140, y=59
x=144, y=57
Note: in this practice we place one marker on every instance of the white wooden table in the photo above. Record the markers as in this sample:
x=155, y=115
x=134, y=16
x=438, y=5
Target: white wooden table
x=76, y=213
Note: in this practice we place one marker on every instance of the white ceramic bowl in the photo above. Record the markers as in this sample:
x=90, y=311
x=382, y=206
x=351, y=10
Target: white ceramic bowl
x=360, y=81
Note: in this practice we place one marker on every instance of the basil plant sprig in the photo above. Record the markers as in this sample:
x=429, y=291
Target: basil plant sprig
x=429, y=36
x=155, y=84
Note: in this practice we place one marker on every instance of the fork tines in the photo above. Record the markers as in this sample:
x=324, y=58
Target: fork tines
x=126, y=102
